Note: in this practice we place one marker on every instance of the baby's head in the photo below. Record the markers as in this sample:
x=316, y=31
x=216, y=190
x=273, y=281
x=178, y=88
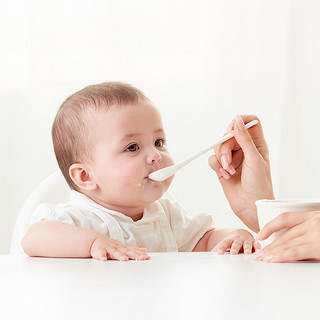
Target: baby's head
x=107, y=139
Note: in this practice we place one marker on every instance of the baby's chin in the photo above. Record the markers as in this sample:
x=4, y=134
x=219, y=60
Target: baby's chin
x=153, y=190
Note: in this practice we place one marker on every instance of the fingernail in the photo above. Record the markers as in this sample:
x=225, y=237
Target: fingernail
x=220, y=251
x=224, y=161
x=224, y=173
x=240, y=123
x=232, y=170
x=267, y=258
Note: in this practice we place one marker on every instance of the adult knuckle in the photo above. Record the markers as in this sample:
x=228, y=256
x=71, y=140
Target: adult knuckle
x=283, y=217
x=255, y=117
x=214, y=163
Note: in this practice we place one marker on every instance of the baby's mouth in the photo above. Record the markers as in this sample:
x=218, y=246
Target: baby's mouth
x=149, y=179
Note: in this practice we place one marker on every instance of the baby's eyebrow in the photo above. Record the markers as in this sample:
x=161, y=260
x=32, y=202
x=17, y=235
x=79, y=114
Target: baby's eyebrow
x=160, y=130
x=131, y=135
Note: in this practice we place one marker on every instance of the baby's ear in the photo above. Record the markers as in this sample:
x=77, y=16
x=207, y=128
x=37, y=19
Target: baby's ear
x=81, y=177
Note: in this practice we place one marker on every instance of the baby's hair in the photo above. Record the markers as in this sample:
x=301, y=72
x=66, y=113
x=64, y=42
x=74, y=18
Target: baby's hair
x=71, y=136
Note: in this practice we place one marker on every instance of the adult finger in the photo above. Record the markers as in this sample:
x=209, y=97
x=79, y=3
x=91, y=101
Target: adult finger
x=250, y=142
x=256, y=137
x=244, y=139
x=223, y=152
x=256, y=246
x=284, y=242
x=284, y=220
x=292, y=253
x=226, y=157
x=293, y=235
x=217, y=167
x=256, y=134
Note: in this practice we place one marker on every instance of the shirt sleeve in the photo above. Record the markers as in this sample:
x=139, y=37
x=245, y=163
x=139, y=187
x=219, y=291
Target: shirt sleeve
x=187, y=230
x=75, y=217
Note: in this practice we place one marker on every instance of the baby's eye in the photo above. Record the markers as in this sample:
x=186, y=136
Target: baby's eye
x=133, y=147
x=159, y=143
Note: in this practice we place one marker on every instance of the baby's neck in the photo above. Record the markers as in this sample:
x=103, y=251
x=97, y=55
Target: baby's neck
x=133, y=212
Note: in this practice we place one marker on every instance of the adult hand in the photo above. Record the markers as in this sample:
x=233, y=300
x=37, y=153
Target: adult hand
x=300, y=242
x=243, y=168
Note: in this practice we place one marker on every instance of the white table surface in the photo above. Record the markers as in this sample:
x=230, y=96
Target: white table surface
x=169, y=286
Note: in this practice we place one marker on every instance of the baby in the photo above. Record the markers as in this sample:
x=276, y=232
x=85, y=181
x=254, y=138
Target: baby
x=107, y=139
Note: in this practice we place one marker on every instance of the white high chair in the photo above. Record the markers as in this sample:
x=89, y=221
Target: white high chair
x=54, y=189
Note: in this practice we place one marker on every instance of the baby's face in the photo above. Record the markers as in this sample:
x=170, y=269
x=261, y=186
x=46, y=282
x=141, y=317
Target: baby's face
x=130, y=143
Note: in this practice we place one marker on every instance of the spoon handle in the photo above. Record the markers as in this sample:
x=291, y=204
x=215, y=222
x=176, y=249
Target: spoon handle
x=214, y=144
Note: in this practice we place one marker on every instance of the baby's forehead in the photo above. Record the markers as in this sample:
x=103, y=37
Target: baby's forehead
x=126, y=118
x=123, y=110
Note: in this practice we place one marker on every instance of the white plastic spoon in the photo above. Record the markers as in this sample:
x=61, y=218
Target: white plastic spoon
x=167, y=172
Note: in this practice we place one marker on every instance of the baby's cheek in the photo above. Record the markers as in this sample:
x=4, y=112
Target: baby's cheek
x=129, y=175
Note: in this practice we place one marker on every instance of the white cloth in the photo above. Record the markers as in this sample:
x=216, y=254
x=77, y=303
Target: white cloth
x=164, y=226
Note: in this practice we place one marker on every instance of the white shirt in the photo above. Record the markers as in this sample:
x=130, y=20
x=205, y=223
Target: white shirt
x=164, y=226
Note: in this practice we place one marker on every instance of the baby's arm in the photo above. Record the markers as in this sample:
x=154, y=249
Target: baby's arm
x=220, y=240
x=56, y=239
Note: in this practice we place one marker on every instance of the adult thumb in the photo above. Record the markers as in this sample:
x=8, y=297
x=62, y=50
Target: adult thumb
x=244, y=139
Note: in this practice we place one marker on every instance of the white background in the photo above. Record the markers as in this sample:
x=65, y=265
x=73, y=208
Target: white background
x=201, y=62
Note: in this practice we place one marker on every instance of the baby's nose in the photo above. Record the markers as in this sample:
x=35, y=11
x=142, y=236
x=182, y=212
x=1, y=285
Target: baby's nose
x=154, y=157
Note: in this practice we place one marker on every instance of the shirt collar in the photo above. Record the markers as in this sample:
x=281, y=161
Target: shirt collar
x=151, y=212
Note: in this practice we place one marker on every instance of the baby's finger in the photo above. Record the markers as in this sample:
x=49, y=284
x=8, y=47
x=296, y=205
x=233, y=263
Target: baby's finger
x=236, y=246
x=135, y=253
x=100, y=254
x=247, y=247
x=223, y=246
x=115, y=254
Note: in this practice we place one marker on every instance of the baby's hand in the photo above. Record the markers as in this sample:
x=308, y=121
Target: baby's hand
x=238, y=241
x=104, y=248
